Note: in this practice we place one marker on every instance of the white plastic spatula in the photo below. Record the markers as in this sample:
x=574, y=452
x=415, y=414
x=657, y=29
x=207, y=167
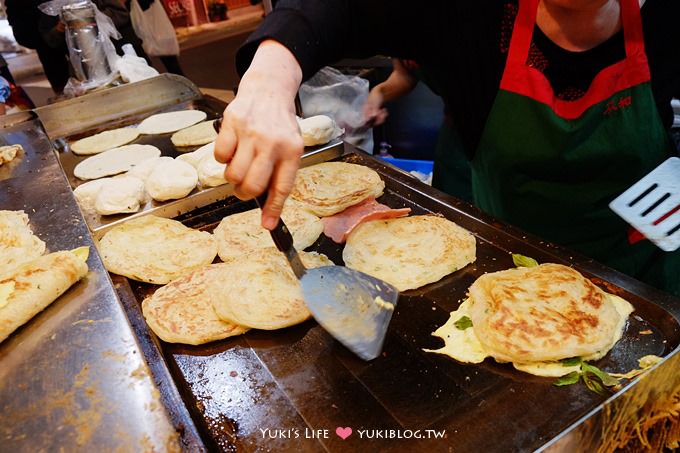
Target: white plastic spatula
x=652, y=205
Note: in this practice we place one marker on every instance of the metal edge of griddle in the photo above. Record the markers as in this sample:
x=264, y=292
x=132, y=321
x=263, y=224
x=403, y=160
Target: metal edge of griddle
x=191, y=434
x=208, y=196
x=582, y=430
x=84, y=112
x=13, y=119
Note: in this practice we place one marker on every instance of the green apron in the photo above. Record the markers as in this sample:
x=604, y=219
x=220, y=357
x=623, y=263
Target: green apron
x=551, y=166
x=451, y=172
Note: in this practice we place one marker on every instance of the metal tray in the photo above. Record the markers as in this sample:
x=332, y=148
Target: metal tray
x=198, y=197
x=291, y=389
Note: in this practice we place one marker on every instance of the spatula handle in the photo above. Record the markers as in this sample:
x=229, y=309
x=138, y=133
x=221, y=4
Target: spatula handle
x=280, y=234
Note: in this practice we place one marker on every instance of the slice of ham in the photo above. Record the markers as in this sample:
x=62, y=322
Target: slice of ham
x=340, y=225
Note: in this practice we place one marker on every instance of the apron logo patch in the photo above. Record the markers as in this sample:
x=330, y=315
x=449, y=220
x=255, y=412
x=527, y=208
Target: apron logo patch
x=617, y=104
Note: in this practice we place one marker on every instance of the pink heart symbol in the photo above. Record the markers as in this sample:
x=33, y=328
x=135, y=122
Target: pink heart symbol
x=344, y=433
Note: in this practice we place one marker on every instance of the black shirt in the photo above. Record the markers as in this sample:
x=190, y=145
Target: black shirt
x=462, y=44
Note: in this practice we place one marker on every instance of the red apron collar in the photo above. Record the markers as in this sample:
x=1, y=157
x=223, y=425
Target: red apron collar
x=527, y=81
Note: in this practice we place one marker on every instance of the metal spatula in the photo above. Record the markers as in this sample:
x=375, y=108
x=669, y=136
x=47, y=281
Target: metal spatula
x=652, y=205
x=353, y=307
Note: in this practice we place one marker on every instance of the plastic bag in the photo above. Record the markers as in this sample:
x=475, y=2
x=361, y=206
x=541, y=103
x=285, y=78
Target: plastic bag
x=342, y=97
x=92, y=57
x=154, y=29
x=133, y=68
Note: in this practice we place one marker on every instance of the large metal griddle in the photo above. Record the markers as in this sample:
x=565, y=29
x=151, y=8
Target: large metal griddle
x=297, y=381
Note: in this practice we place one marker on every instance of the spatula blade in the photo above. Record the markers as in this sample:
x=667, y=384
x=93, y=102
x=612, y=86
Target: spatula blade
x=353, y=307
x=652, y=205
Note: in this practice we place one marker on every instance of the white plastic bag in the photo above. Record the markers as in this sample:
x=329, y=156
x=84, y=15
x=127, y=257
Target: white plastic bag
x=92, y=68
x=154, y=29
x=330, y=92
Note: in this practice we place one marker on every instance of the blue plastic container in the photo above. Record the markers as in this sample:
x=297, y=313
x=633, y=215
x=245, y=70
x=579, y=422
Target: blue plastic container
x=423, y=166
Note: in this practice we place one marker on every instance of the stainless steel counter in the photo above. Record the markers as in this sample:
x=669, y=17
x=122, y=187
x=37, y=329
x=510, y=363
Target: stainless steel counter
x=74, y=377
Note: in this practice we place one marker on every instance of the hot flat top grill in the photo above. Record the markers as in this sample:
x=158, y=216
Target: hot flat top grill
x=299, y=381
x=291, y=389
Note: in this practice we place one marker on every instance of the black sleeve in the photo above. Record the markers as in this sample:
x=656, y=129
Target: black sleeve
x=320, y=32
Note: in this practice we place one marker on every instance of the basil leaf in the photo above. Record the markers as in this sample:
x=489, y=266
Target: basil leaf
x=594, y=385
x=572, y=361
x=463, y=323
x=605, y=378
x=523, y=261
x=568, y=379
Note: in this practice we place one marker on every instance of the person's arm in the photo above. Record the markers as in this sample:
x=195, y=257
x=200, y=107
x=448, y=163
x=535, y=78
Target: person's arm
x=400, y=82
x=52, y=30
x=259, y=137
x=116, y=10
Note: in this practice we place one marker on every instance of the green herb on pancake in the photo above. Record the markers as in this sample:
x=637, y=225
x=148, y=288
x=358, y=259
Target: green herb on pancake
x=568, y=379
x=463, y=323
x=523, y=261
x=572, y=361
x=594, y=378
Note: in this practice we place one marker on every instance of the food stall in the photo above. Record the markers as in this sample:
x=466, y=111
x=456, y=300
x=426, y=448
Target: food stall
x=89, y=374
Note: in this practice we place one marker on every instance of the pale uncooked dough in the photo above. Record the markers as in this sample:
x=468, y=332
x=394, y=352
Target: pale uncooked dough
x=318, y=130
x=211, y=172
x=120, y=195
x=194, y=158
x=114, y=161
x=163, y=123
x=105, y=140
x=198, y=134
x=171, y=180
x=86, y=193
x=144, y=169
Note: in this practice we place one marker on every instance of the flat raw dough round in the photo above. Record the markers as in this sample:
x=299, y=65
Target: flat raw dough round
x=171, y=180
x=18, y=244
x=114, y=161
x=261, y=290
x=242, y=233
x=198, y=134
x=155, y=250
x=409, y=252
x=105, y=140
x=164, y=123
x=545, y=313
x=182, y=311
x=120, y=195
x=330, y=187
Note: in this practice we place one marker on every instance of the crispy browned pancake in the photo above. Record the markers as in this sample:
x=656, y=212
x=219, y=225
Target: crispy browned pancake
x=543, y=313
x=182, y=311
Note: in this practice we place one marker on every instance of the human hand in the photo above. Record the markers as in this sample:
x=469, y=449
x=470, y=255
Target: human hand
x=373, y=110
x=259, y=137
x=60, y=27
